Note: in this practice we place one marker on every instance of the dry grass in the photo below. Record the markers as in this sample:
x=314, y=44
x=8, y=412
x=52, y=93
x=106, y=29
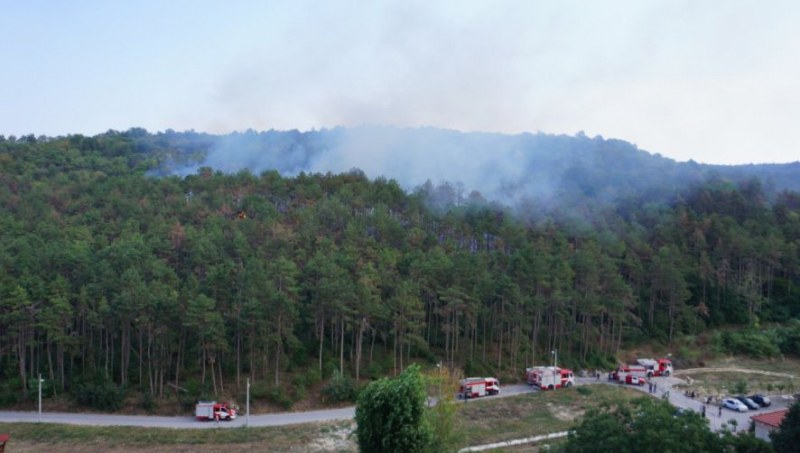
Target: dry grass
x=316, y=437
x=726, y=376
x=484, y=421
x=533, y=413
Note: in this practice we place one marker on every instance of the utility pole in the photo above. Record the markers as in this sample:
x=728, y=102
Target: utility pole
x=554, y=352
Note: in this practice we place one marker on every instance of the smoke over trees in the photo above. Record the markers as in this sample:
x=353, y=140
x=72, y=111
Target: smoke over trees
x=110, y=273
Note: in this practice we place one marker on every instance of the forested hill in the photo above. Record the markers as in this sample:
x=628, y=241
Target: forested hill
x=111, y=274
x=552, y=171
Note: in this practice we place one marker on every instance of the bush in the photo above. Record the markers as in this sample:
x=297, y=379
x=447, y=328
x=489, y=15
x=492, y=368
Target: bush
x=391, y=415
x=10, y=391
x=275, y=395
x=193, y=387
x=307, y=379
x=584, y=390
x=259, y=391
x=302, y=382
x=103, y=395
x=340, y=388
x=147, y=402
x=280, y=397
x=599, y=361
x=477, y=368
x=373, y=371
x=752, y=343
x=788, y=337
x=187, y=402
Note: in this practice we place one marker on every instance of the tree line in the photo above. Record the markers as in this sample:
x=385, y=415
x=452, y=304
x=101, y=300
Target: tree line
x=108, y=271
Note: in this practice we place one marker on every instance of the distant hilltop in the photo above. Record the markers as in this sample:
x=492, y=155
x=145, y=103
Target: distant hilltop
x=548, y=171
x=510, y=169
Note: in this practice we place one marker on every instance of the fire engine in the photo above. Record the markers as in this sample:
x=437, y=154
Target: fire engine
x=475, y=387
x=645, y=368
x=212, y=410
x=549, y=377
x=659, y=367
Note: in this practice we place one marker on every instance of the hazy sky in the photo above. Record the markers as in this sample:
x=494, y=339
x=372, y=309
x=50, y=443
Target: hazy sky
x=716, y=82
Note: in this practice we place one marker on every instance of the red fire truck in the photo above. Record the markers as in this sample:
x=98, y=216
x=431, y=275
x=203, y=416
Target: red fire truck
x=644, y=368
x=657, y=367
x=475, y=387
x=212, y=410
x=549, y=377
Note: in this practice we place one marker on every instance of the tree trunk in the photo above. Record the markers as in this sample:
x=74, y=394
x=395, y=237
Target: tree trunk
x=362, y=325
x=341, y=344
x=278, y=353
x=321, y=340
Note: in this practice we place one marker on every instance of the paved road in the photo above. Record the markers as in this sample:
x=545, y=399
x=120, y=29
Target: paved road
x=347, y=413
x=279, y=419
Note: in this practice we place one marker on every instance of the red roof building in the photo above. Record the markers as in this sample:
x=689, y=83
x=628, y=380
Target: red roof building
x=767, y=422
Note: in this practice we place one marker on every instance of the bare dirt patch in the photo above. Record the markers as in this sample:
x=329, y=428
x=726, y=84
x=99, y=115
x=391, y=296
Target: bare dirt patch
x=340, y=438
x=565, y=413
x=733, y=370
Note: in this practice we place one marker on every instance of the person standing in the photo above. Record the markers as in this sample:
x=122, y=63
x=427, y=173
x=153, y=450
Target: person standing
x=703, y=411
x=720, y=411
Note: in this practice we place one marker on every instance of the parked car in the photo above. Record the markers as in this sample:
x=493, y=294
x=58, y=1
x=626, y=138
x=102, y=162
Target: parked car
x=761, y=400
x=635, y=380
x=748, y=402
x=734, y=405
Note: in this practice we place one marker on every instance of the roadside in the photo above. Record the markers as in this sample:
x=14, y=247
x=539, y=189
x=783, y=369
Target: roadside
x=490, y=420
x=666, y=388
x=718, y=417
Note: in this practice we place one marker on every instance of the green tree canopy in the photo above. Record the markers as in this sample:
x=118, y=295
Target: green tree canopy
x=787, y=437
x=652, y=425
x=390, y=414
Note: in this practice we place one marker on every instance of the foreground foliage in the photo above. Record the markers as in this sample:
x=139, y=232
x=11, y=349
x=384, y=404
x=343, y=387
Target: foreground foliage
x=647, y=424
x=390, y=415
x=787, y=437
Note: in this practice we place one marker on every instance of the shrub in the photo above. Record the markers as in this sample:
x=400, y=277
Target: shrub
x=307, y=379
x=584, y=390
x=340, y=388
x=280, y=397
x=259, y=391
x=147, y=402
x=752, y=343
x=10, y=391
x=391, y=416
x=187, y=402
x=193, y=387
x=103, y=395
x=275, y=395
x=375, y=370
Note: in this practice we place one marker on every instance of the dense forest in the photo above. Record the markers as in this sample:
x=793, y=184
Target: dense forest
x=112, y=268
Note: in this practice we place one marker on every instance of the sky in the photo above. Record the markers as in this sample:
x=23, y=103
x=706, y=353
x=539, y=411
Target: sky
x=715, y=82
